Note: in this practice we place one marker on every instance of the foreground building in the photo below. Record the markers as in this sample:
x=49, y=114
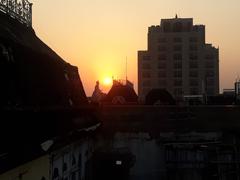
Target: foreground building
x=43, y=105
x=178, y=60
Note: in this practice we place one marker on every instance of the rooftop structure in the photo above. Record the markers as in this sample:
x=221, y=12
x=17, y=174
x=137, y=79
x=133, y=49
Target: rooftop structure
x=18, y=9
x=121, y=93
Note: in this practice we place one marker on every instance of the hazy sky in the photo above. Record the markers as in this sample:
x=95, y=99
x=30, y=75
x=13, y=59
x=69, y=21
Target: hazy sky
x=97, y=35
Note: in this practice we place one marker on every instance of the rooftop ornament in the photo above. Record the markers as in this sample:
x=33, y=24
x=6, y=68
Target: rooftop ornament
x=18, y=9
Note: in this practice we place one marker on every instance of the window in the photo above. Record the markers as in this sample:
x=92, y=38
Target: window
x=177, y=47
x=161, y=65
x=146, y=58
x=193, y=47
x=193, y=82
x=178, y=91
x=177, y=56
x=193, y=73
x=210, y=82
x=177, y=73
x=146, y=66
x=209, y=73
x=193, y=39
x=80, y=163
x=73, y=176
x=209, y=56
x=64, y=167
x=146, y=90
x=146, y=83
x=194, y=91
x=193, y=64
x=177, y=82
x=162, y=83
x=177, y=39
x=177, y=27
x=166, y=27
x=70, y=101
x=209, y=64
x=162, y=40
x=161, y=48
x=162, y=74
x=210, y=91
x=189, y=26
x=162, y=57
x=146, y=74
x=55, y=173
x=73, y=160
x=178, y=65
x=193, y=56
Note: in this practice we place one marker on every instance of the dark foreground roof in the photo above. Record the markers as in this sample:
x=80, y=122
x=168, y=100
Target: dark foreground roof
x=32, y=74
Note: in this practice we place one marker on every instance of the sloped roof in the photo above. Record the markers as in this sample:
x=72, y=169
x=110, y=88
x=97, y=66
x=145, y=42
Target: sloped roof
x=121, y=90
x=32, y=74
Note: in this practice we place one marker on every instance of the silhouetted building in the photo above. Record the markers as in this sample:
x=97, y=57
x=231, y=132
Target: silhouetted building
x=237, y=92
x=178, y=60
x=121, y=93
x=97, y=95
x=32, y=75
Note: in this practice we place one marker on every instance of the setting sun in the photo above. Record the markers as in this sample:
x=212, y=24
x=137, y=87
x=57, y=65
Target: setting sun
x=107, y=81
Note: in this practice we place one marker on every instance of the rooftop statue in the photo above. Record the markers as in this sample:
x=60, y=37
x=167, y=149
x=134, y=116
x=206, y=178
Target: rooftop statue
x=18, y=9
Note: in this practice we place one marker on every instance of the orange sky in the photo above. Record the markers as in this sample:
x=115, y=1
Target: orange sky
x=97, y=35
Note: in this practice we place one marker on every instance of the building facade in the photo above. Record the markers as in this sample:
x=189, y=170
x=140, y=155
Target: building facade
x=179, y=60
x=35, y=169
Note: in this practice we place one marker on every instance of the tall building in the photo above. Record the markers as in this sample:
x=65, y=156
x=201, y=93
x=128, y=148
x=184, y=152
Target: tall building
x=179, y=60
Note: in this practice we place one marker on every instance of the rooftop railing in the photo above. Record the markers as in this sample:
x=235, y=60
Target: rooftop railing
x=18, y=9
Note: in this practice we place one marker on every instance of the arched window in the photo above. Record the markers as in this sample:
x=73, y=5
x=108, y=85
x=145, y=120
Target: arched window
x=73, y=160
x=64, y=167
x=55, y=173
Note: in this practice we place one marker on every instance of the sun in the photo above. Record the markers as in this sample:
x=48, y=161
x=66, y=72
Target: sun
x=107, y=81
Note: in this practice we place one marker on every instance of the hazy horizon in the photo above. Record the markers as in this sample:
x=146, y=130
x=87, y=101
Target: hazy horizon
x=97, y=36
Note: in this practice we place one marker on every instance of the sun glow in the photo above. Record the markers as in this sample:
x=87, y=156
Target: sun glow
x=107, y=81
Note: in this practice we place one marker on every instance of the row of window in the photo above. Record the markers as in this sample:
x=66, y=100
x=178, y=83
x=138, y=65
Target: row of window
x=176, y=27
x=162, y=74
x=178, y=39
x=178, y=65
x=179, y=91
x=177, y=56
x=181, y=155
x=178, y=82
x=177, y=48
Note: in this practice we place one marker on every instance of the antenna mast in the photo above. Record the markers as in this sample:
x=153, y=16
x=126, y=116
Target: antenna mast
x=126, y=69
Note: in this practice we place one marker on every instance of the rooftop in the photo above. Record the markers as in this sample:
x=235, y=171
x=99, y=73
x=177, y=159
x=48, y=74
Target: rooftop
x=18, y=9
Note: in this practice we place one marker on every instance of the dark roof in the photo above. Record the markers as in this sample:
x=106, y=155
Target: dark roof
x=121, y=90
x=32, y=74
x=160, y=96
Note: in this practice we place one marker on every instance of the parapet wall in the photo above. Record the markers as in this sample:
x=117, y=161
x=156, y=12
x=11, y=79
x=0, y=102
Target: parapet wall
x=18, y=9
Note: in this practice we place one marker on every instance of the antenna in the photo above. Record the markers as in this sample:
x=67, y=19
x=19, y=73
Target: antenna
x=126, y=68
